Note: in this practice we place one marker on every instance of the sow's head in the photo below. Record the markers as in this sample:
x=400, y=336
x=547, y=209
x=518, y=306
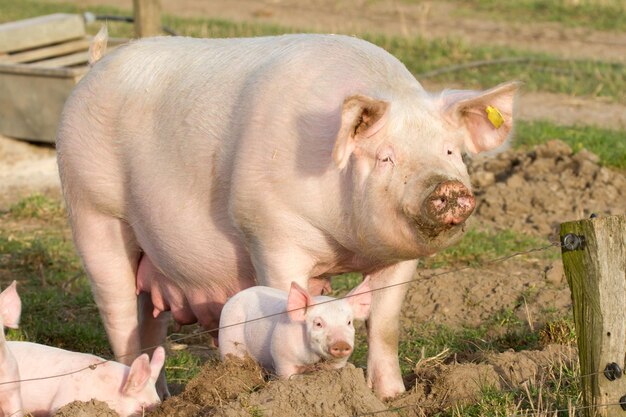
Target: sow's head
x=411, y=191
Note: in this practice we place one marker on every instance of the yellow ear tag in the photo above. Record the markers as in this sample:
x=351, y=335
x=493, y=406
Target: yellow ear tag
x=494, y=116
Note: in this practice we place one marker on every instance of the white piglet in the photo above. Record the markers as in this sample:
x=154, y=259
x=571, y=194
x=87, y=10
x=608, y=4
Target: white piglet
x=10, y=399
x=314, y=329
x=127, y=390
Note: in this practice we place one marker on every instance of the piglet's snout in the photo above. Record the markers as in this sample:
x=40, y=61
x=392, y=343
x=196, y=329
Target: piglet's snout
x=450, y=203
x=340, y=349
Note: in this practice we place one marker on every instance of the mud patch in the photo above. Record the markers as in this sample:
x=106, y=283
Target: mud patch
x=533, y=289
x=26, y=168
x=93, y=408
x=534, y=191
x=440, y=386
x=215, y=385
x=236, y=388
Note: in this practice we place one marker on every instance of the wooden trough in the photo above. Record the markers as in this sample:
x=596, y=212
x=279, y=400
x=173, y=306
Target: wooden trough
x=41, y=60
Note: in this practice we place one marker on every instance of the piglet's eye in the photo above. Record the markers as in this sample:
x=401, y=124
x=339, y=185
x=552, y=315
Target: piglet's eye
x=349, y=322
x=449, y=152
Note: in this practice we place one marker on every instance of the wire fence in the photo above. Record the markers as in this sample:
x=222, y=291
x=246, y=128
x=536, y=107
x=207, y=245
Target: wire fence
x=397, y=409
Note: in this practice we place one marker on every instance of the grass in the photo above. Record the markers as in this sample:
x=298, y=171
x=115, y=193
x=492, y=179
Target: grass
x=609, y=145
x=57, y=306
x=478, y=247
x=609, y=15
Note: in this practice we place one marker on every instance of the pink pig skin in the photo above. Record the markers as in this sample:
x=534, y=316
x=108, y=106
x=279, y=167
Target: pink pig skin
x=288, y=344
x=128, y=391
x=230, y=162
x=10, y=397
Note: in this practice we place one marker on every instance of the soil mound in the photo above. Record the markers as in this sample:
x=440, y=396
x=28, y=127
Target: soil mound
x=534, y=191
x=93, y=408
x=236, y=388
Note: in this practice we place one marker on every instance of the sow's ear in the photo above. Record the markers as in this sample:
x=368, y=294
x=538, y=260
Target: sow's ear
x=487, y=115
x=361, y=117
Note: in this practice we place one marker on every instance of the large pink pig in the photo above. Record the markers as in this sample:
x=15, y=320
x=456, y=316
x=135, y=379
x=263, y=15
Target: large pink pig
x=230, y=162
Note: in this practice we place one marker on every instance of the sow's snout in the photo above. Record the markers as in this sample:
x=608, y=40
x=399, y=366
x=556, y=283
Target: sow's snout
x=449, y=204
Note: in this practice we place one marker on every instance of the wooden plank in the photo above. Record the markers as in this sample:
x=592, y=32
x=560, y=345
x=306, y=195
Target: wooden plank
x=32, y=70
x=64, y=61
x=40, y=31
x=47, y=52
x=596, y=273
x=147, y=15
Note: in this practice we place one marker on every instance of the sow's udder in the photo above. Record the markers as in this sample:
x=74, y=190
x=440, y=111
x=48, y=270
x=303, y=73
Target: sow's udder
x=203, y=305
x=187, y=306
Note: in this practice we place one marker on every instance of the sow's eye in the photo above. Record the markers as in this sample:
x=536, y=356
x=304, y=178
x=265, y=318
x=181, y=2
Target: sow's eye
x=451, y=151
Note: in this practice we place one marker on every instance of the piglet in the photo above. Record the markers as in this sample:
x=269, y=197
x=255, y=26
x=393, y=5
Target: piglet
x=314, y=329
x=10, y=398
x=127, y=390
x=77, y=376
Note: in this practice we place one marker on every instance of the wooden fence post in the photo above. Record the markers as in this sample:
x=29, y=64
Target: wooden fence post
x=147, y=17
x=594, y=260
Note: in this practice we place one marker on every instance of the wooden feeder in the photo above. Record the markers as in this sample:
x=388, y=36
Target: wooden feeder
x=41, y=60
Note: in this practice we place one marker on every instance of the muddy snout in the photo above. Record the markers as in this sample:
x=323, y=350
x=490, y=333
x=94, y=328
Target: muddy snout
x=340, y=349
x=450, y=203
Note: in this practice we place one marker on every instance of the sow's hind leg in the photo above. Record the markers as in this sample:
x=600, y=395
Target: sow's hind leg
x=110, y=253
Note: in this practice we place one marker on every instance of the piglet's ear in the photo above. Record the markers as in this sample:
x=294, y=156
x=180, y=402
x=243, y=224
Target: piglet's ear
x=361, y=117
x=10, y=306
x=297, y=302
x=487, y=115
x=138, y=376
x=360, y=299
x=157, y=362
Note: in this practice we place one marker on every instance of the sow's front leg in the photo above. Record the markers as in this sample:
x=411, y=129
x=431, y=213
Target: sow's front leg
x=383, y=368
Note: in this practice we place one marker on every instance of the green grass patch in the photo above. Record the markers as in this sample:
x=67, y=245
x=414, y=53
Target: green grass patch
x=609, y=15
x=492, y=402
x=478, y=247
x=503, y=331
x=554, y=394
x=57, y=306
x=11, y=10
x=609, y=145
x=445, y=60
x=181, y=366
x=37, y=206
x=474, y=249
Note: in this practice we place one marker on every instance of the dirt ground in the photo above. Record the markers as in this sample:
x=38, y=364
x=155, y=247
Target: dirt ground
x=530, y=192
